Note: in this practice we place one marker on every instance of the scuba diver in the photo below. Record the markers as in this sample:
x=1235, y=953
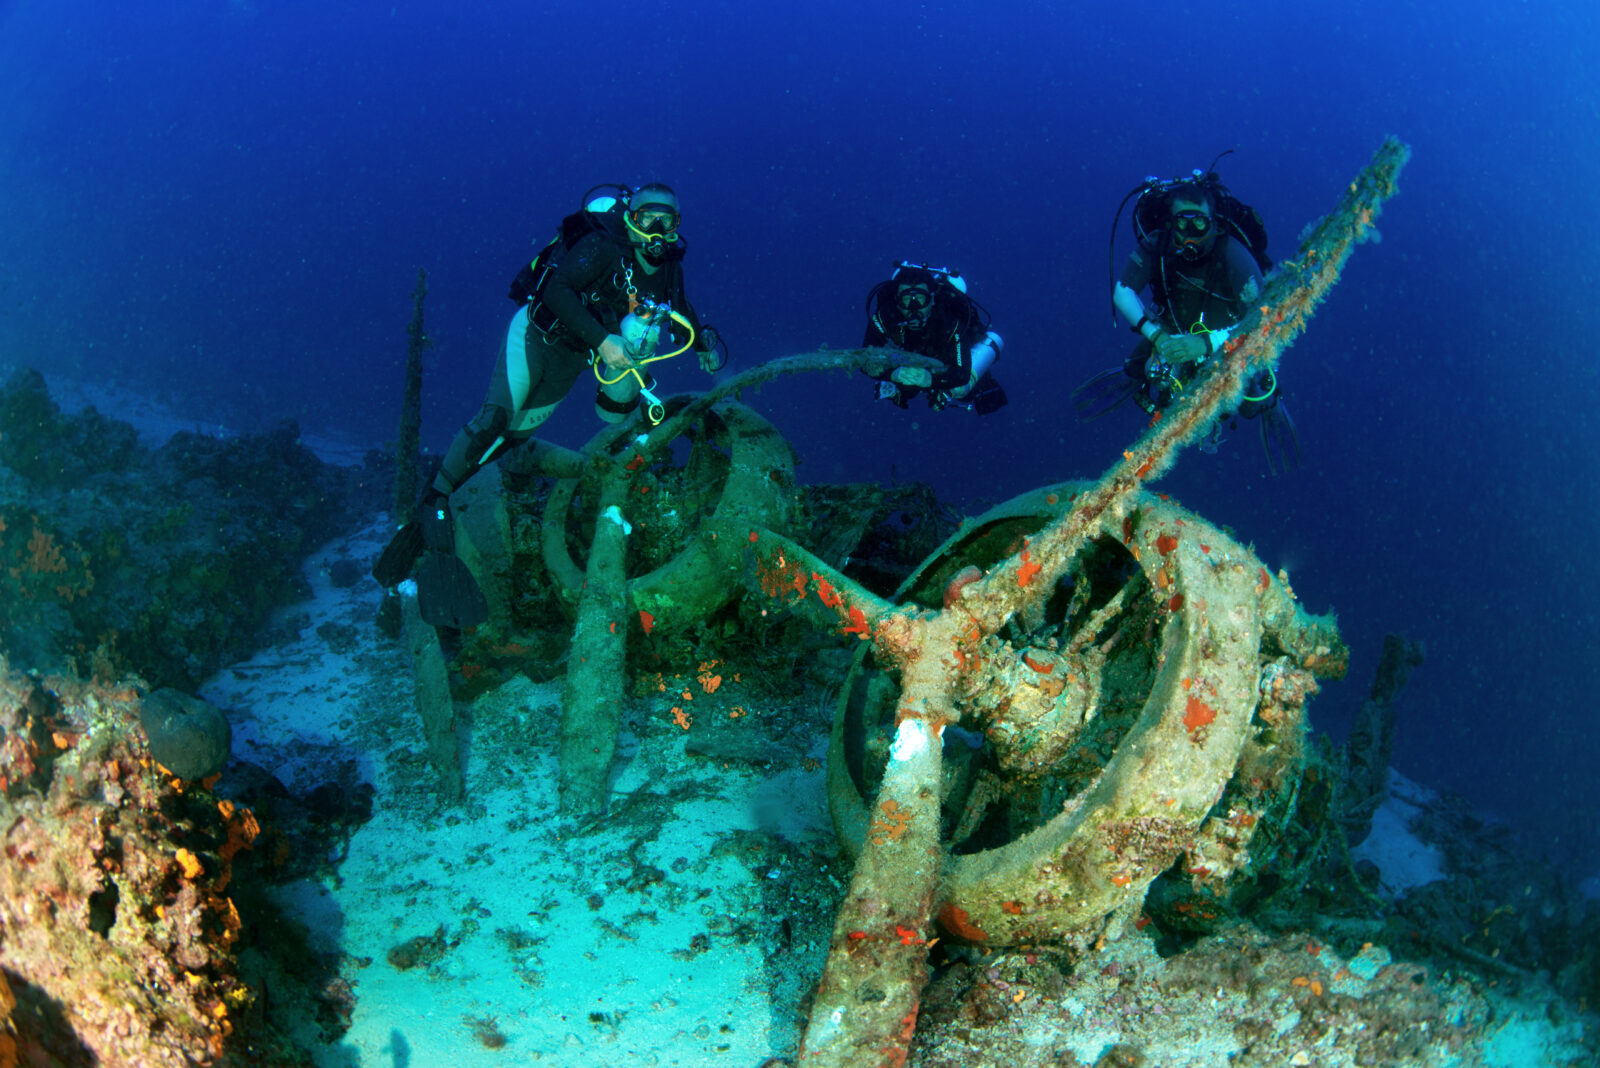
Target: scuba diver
x=926, y=311
x=1202, y=254
x=605, y=294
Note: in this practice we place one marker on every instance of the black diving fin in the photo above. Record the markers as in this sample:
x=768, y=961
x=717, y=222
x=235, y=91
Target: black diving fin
x=399, y=556
x=447, y=594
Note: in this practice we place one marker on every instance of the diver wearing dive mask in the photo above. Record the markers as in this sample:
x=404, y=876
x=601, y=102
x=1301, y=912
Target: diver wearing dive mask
x=1196, y=256
x=613, y=258
x=926, y=311
x=915, y=303
x=1193, y=231
x=652, y=221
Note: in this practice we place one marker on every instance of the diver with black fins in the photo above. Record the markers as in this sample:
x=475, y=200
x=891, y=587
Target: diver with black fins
x=1202, y=254
x=928, y=312
x=607, y=295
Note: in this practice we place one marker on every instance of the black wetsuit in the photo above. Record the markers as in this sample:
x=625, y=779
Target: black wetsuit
x=585, y=298
x=551, y=342
x=948, y=336
x=1210, y=293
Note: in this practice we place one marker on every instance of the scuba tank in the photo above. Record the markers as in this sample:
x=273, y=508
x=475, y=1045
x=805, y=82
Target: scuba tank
x=643, y=330
x=643, y=327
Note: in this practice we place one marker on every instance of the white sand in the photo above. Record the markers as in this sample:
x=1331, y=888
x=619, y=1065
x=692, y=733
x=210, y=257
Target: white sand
x=578, y=941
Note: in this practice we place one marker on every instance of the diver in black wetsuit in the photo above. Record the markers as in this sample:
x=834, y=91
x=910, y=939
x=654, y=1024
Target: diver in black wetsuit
x=926, y=311
x=605, y=294
x=1201, y=255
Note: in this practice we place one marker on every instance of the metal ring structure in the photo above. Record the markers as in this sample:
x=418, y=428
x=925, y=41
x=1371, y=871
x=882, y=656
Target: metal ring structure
x=1224, y=658
x=701, y=577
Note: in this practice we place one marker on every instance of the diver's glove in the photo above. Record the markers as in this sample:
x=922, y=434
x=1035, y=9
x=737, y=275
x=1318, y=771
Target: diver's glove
x=915, y=377
x=1179, y=349
x=613, y=352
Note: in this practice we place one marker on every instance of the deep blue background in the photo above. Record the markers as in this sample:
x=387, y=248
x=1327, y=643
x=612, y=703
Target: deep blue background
x=226, y=204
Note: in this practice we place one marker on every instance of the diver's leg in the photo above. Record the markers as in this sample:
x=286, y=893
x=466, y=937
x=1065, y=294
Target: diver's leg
x=503, y=422
x=430, y=526
x=480, y=441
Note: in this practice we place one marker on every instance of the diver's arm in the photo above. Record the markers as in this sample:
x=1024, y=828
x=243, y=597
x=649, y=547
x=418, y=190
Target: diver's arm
x=983, y=356
x=706, y=338
x=1137, y=274
x=1132, y=309
x=563, y=293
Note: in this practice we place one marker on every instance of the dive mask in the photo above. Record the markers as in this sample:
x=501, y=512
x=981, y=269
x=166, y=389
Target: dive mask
x=653, y=225
x=1192, y=233
x=913, y=299
x=1191, y=223
x=915, y=304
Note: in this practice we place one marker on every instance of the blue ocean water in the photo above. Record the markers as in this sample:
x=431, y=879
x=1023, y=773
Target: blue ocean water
x=227, y=203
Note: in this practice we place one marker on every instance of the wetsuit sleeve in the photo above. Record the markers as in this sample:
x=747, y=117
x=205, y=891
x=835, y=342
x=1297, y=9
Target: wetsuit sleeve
x=579, y=269
x=957, y=360
x=1140, y=269
x=875, y=338
x=1244, y=274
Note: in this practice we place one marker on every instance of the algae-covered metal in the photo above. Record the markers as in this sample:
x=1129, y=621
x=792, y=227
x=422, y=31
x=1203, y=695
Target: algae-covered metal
x=866, y=1006
x=1102, y=789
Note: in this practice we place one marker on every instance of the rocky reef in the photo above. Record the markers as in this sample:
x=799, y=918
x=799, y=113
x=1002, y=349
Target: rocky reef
x=115, y=557
x=116, y=928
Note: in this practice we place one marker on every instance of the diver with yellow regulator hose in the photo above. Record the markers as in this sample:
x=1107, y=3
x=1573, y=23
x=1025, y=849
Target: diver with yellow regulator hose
x=644, y=330
x=607, y=294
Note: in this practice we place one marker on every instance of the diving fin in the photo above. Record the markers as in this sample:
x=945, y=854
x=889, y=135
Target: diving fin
x=1105, y=393
x=990, y=398
x=1279, y=439
x=399, y=556
x=447, y=594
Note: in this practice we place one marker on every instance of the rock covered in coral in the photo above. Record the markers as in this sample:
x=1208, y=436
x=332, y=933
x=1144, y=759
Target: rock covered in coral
x=162, y=562
x=116, y=929
x=8, y=1044
x=1239, y=997
x=189, y=737
x=42, y=446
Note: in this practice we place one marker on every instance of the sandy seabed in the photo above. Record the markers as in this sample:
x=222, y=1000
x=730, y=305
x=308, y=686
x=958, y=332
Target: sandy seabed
x=664, y=933
x=688, y=924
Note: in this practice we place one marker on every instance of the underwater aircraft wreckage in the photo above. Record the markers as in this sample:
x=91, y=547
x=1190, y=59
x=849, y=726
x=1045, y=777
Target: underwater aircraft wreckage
x=1138, y=677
